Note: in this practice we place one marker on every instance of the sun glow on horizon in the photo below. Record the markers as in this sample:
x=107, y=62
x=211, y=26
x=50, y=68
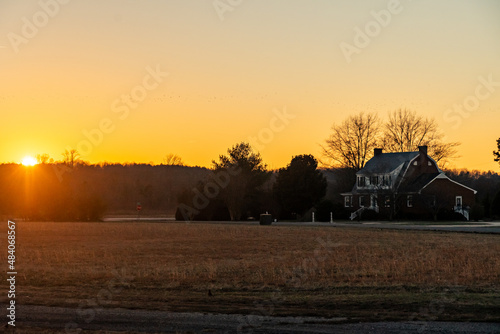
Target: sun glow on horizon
x=276, y=74
x=28, y=161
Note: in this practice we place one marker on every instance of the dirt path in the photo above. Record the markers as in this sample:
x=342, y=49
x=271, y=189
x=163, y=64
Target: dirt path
x=123, y=320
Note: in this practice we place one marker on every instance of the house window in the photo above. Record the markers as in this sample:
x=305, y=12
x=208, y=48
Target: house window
x=409, y=201
x=386, y=180
x=373, y=201
x=361, y=181
x=429, y=163
x=348, y=201
x=458, y=201
x=374, y=180
x=387, y=201
x=362, y=201
x=415, y=163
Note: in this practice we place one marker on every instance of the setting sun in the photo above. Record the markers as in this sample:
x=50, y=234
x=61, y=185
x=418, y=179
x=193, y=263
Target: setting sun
x=29, y=161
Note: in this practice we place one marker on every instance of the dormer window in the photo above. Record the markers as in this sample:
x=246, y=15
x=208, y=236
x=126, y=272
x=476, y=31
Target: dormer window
x=374, y=180
x=386, y=180
x=361, y=181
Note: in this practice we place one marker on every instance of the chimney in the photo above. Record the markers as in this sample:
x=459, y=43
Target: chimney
x=423, y=149
x=377, y=151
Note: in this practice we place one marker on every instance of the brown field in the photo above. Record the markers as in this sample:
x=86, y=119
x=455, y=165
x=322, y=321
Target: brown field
x=357, y=273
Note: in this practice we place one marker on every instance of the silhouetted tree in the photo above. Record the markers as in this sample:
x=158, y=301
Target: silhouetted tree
x=71, y=158
x=351, y=144
x=496, y=153
x=44, y=158
x=245, y=173
x=173, y=160
x=405, y=131
x=300, y=185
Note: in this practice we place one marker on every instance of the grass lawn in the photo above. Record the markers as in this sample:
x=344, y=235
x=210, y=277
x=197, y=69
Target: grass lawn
x=361, y=274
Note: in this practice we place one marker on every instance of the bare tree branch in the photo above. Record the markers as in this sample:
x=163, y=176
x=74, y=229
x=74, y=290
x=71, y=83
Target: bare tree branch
x=404, y=131
x=173, y=160
x=351, y=143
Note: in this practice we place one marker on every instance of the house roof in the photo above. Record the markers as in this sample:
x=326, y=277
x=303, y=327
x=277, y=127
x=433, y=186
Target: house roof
x=387, y=162
x=419, y=182
x=403, y=182
x=443, y=176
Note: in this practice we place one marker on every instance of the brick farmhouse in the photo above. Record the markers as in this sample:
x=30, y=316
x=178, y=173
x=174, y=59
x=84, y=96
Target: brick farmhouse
x=408, y=185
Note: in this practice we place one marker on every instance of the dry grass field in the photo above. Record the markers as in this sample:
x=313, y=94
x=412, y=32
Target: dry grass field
x=357, y=273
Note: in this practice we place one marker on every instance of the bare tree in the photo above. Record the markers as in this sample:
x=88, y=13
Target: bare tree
x=71, y=158
x=405, y=131
x=351, y=143
x=173, y=160
x=44, y=158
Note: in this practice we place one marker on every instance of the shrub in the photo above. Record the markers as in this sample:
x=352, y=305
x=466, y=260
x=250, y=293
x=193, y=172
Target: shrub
x=477, y=212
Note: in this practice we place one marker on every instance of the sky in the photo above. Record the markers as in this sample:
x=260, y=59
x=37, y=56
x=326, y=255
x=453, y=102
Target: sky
x=133, y=81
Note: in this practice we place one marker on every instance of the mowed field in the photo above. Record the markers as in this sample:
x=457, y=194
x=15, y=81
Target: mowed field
x=251, y=269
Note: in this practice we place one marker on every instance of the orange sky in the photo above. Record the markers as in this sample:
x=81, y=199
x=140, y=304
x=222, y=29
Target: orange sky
x=233, y=71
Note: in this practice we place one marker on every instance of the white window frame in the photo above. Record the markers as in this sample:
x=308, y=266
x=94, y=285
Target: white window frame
x=457, y=198
x=409, y=201
x=348, y=201
x=363, y=183
x=386, y=180
x=361, y=199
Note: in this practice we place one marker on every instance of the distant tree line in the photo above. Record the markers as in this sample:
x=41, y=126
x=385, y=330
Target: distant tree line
x=82, y=192
x=237, y=187
x=487, y=185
